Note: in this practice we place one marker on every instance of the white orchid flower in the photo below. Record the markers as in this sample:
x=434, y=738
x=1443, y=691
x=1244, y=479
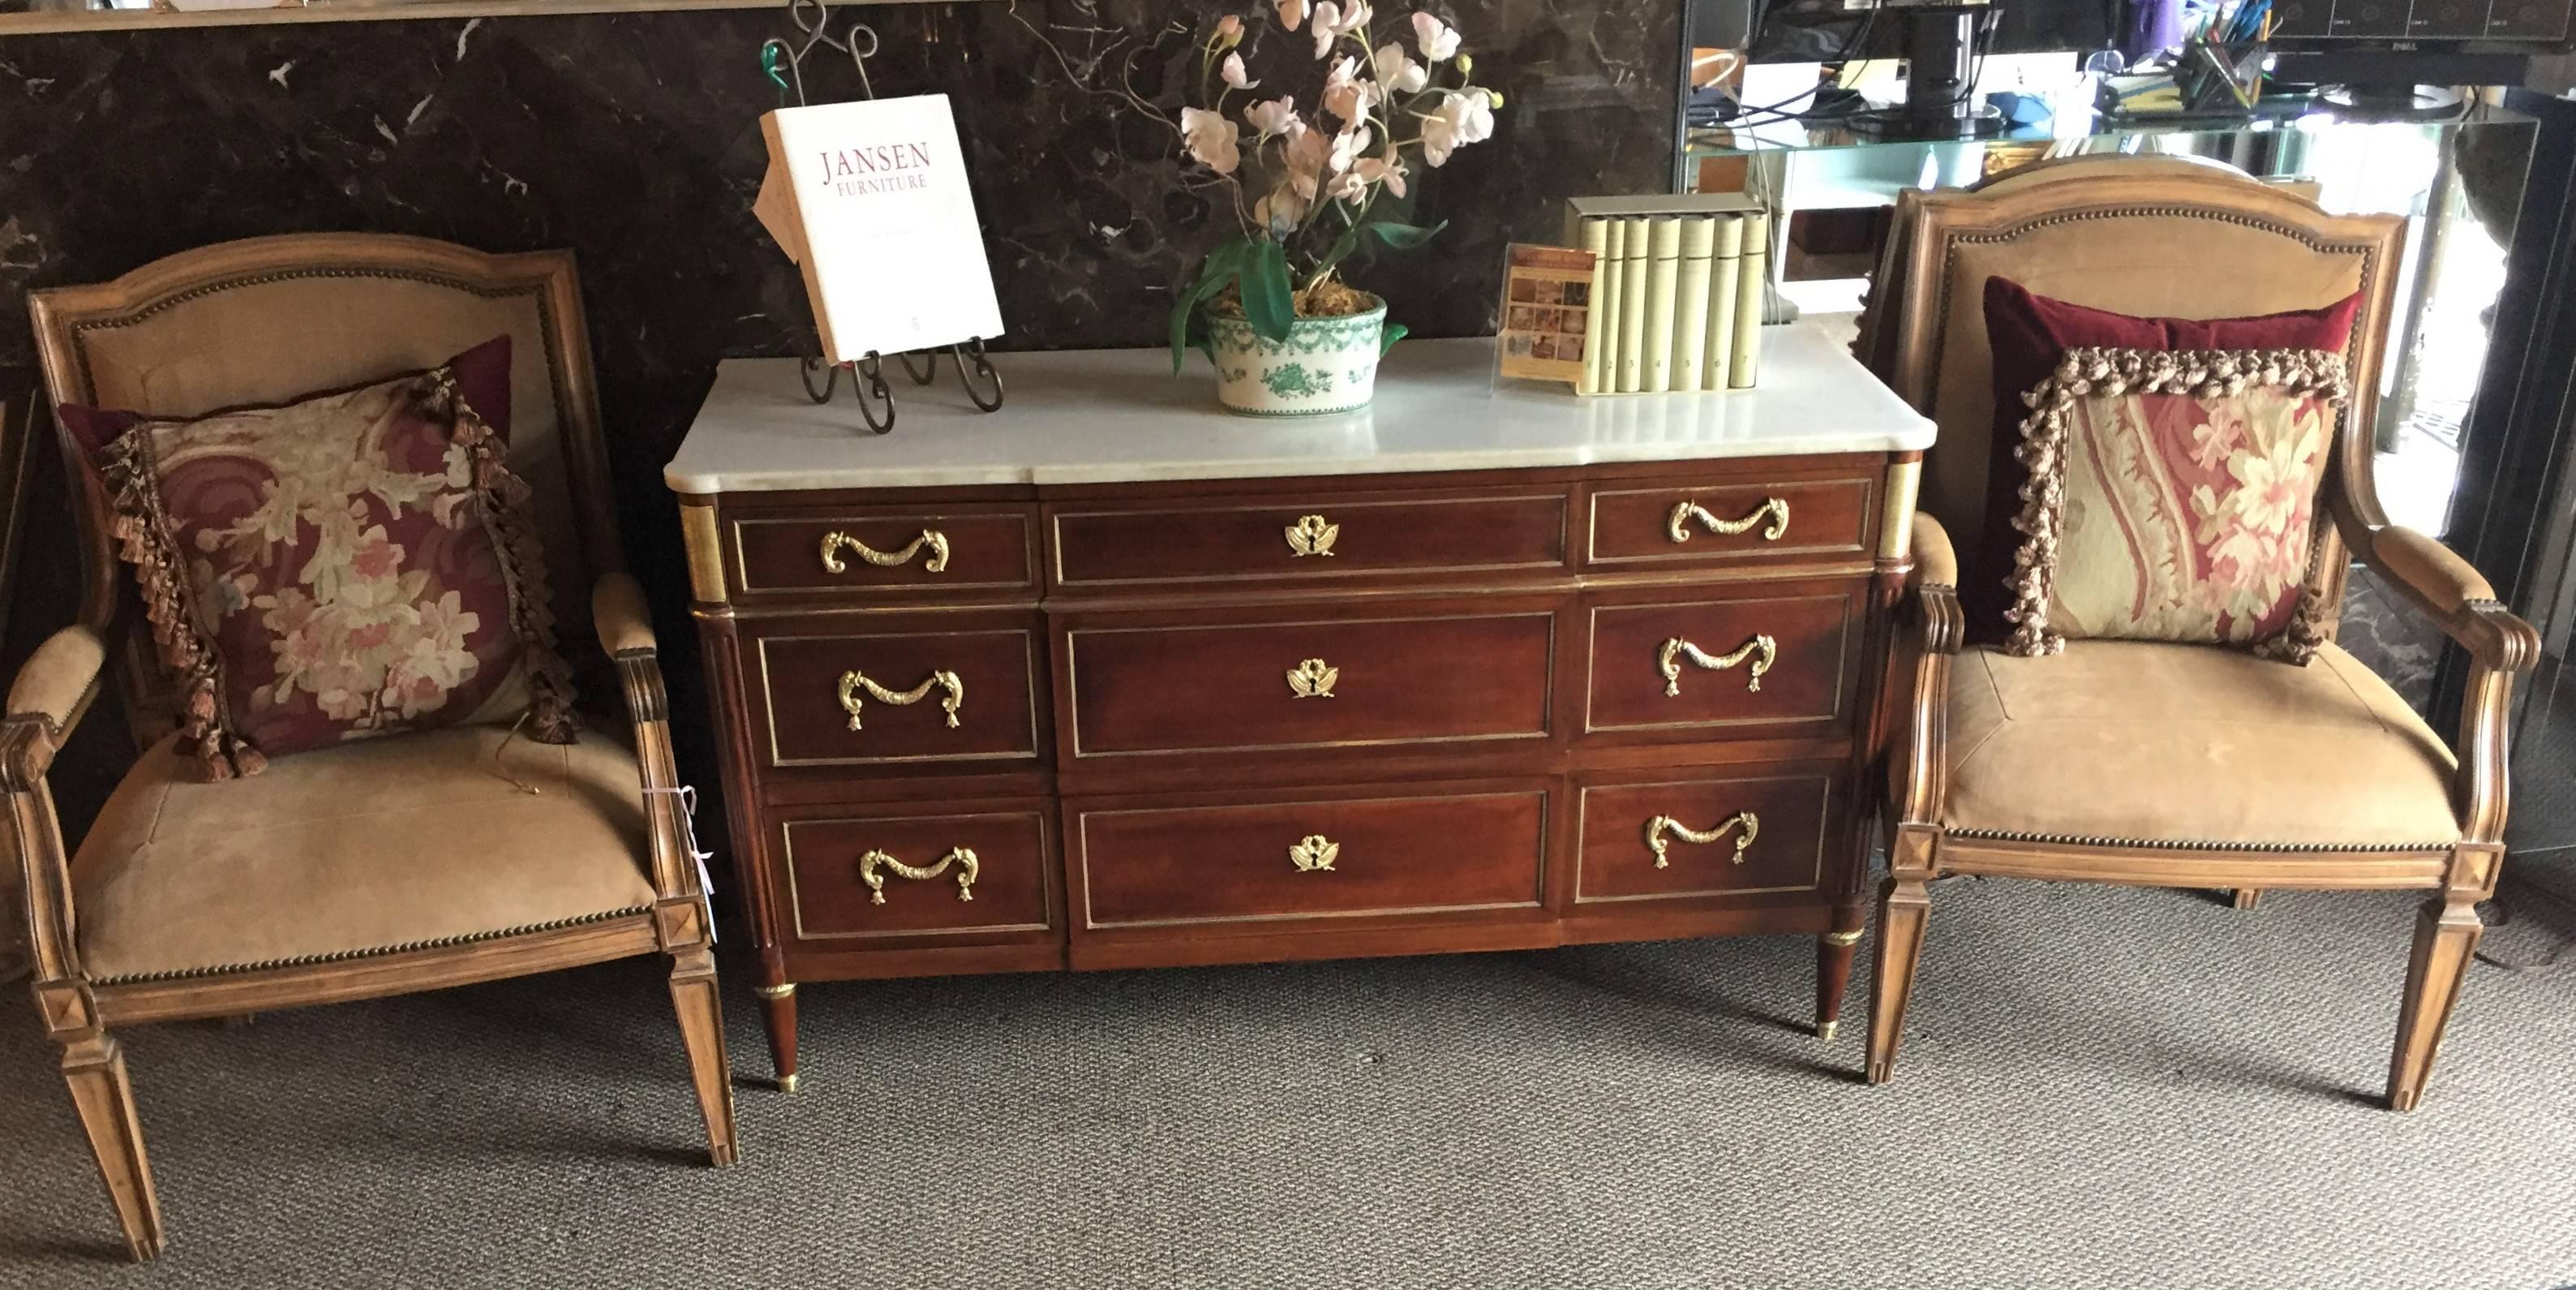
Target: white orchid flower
x=1282, y=211
x=1271, y=117
x=1386, y=168
x=1326, y=26
x=1309, y=150
x=1464, y=116
x=1234, y=73
x=1348, y=147
x=1346, y=95
x=1397, y=71
x=1333, y=22
x=1210, y=139
x=1438, y=40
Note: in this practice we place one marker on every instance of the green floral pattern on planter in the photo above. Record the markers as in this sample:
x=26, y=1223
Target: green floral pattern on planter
x=1290, y=380
x=1326, y=365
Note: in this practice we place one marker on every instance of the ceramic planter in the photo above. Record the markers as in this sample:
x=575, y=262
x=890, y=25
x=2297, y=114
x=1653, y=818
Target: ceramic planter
x=1326, y=365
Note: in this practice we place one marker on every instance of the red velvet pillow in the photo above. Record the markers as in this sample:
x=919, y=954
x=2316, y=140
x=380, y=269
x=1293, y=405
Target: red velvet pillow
x=2028, y=334
x=342, y=565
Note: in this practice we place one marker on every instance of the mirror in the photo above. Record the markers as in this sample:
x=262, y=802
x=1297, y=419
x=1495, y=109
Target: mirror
x=27, y=17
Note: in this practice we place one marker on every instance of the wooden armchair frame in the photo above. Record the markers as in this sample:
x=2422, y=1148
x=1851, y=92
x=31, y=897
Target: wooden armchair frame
x=58, y=686
x=2436, y=582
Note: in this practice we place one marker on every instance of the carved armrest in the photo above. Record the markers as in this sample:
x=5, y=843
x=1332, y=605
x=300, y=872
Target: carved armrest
x=624, y=619
x=1933, y=586
x=2436, y=581
x=1915, y=780
x=45, y=702
x=625, y=626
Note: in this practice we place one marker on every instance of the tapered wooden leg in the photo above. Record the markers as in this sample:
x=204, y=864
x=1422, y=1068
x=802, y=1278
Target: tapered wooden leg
x=94, y=1067
x=1903, y=905
x=1834, y=953
x=2245, y=897
x=778, y=1015
x=693, y=995
x=2446, y=934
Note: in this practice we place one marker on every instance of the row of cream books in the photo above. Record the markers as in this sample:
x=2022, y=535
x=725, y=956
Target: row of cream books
x=870, y=200
x=1677, y=301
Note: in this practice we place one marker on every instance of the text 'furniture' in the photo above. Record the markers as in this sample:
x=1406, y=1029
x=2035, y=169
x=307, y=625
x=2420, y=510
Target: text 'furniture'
x=1102, y=680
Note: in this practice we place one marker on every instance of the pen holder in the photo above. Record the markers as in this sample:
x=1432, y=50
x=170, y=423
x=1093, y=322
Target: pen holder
x=2220, y=76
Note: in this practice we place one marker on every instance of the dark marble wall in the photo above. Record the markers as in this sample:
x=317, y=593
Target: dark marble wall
x=634, y=139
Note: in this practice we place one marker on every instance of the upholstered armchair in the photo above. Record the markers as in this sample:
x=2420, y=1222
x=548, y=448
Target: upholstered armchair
x=2163, y=764
x=407, y=862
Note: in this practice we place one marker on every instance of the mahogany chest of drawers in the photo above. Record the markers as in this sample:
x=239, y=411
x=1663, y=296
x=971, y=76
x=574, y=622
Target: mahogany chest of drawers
x=1108, y=679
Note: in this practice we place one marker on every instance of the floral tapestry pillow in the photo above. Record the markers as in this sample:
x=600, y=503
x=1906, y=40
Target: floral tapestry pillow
x=2172, y=497
x=2027, y=334
x=343, y=566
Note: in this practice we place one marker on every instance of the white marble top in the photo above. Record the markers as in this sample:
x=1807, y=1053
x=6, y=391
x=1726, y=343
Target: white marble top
x=1120, y=416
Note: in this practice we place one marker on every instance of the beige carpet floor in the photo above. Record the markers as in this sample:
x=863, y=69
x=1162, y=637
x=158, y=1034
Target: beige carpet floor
x=2103, y=1088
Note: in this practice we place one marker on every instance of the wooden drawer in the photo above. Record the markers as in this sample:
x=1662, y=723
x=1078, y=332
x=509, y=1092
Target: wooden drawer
x=974, y=875
x=1785, y=818
x=1724, y=665
x=1673, y=524
x=884, y=551
x=1332, y=856
x=1325, y=536
x=962, y=690
x=1291, y=678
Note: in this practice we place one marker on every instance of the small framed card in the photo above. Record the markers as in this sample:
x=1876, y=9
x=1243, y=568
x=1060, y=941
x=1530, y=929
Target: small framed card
x=1547, y=306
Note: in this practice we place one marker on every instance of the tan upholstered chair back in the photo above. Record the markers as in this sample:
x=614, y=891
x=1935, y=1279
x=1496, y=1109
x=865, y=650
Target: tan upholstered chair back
x=267, y=319
x=2158, y=237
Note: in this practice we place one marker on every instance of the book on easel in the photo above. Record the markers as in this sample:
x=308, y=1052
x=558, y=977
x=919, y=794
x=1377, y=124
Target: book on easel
x=870, y=200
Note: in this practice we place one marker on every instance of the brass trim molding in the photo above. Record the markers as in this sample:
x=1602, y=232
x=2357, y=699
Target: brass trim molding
x=853, y=683
x=1658, y=826
x=1668, y=661
x=1775, y=509
x=968, y=869
x=836, y=542
x=775, y=991
x=1896, y=518
x=706, y=553
x=1838, y=939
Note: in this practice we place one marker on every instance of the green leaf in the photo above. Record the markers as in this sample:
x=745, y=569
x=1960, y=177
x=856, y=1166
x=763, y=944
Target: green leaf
x=1268, y=300
x=1402, y=237
x=1223, y=264
x=1392, y=333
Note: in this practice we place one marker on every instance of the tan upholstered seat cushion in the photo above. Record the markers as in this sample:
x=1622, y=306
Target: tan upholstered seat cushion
x=375, y=845
x=2151, y=742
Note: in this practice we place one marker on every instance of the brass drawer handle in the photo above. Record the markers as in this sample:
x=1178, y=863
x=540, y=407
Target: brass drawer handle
x=1310, y=535
x=1314, y=853
x=968, y=869
x=853, y=683
x=1658, y=826
x=1313, y=679
x=1668, y=660
x=835, y=542
x=1775, y=508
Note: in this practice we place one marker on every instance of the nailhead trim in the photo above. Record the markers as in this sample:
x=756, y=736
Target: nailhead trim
x=2188, y=844
x=310, y=960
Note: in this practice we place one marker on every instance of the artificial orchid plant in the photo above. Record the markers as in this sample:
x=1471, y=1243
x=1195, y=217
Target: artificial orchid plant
x=1307, y=186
